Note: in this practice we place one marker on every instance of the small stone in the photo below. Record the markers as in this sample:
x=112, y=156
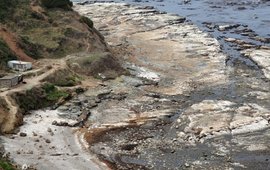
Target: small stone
x=22, y=134
x=34, y=133
x=49, y=130
x=54, y=122
x=30, y=152
x=18, y=152
x=47, y=141
x=187, y=165
x=36, y=140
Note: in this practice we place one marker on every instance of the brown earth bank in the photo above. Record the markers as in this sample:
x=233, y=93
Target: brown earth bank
x=190, y=109
x=32, y=31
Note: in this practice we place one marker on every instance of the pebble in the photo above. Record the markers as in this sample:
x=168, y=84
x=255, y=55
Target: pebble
x=47, y=141
x=34, y=133
x=187, y=165
x=49, y=130
x=22, y=134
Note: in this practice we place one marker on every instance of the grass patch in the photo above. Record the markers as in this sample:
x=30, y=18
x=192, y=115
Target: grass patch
x=5, y=165
x=38, y=97
x=63, y=78
x=95, y=63
x=52, y=93
x=49, y=38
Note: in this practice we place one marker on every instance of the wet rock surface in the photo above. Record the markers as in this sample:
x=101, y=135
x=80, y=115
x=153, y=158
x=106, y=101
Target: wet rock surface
x=199, y=112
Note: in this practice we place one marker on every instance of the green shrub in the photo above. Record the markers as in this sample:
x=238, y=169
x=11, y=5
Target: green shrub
x=65, y=4
x=5, y=165
x=87, y=21
x=5, y=54
x=52, y=93
x=49, y=88
x=6, y=8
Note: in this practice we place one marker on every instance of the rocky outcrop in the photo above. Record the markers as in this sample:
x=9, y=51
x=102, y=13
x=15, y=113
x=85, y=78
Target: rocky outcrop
x=261, y=57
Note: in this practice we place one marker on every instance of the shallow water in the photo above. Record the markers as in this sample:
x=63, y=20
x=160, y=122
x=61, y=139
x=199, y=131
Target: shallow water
x=250, y=14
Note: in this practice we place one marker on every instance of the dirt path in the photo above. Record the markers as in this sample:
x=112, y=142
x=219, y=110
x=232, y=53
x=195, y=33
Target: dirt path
x=30, y=82
x=57, y=148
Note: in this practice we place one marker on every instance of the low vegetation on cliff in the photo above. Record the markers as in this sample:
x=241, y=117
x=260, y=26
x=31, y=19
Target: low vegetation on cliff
x=97, y=65
x=5, y=54
x=49, y=28
x=39, y=97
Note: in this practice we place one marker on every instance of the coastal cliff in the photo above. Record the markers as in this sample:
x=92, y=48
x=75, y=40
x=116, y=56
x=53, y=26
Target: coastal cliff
x=38, y=30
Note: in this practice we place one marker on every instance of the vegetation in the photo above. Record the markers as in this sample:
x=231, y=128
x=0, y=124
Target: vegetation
x=52, y=93
x=96, y=63
x=5, y=54
x=5, y=165
x=45, y=30
x=6, y=8
x=87, y=21
x=63, y=78
x=38, y=97
x=65, y=4
x=30, y=48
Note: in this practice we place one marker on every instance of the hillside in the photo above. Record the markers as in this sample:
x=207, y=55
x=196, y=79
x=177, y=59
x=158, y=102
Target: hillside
x=35, y=29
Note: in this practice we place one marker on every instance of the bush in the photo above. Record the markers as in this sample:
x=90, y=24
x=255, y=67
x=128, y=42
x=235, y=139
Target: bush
x=5, y=54
x=87, y=21
x=52, y=93
x=65, y=4
x=5, y=165
x=6, y=8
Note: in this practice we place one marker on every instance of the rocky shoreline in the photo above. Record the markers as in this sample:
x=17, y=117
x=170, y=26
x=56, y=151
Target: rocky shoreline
x=181, y=106
x=201, y=113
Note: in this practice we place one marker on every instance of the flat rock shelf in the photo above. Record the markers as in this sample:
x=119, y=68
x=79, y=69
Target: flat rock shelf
x=200, y=114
